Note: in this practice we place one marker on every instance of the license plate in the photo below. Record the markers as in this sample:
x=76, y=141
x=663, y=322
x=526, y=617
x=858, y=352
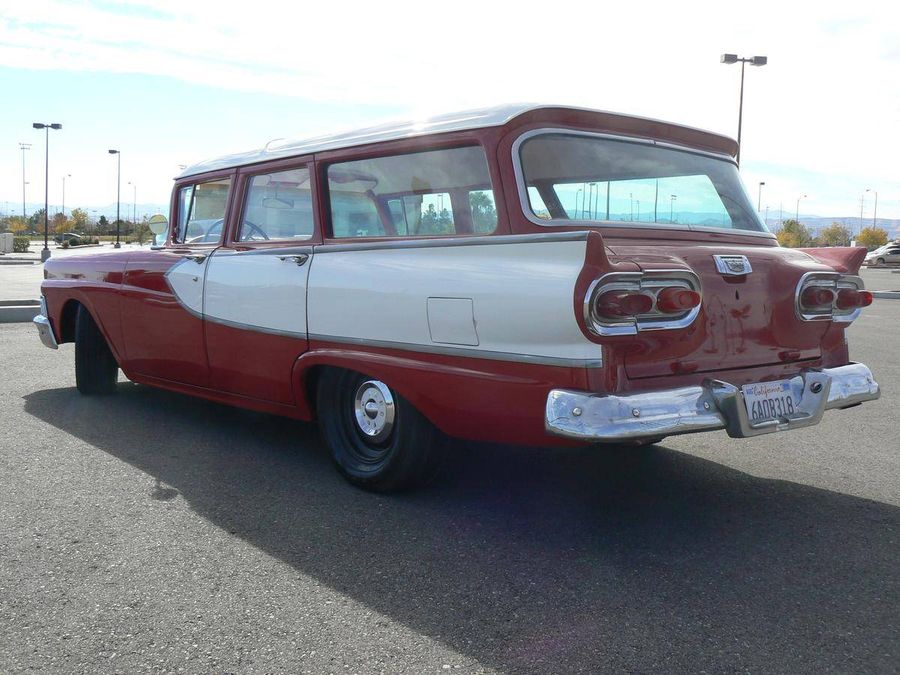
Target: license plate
x=769, y=400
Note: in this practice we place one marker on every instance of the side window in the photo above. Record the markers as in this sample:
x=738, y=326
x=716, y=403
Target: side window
x=201, y=212
x=436, y=192
x=278, y=206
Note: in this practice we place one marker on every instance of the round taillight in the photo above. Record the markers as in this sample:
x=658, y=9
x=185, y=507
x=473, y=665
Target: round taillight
x=622, y=304
x=675, y=299
x=816, y=297
x=850, y=298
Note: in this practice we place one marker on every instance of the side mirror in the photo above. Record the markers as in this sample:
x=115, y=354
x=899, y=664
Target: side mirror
x=158, y=224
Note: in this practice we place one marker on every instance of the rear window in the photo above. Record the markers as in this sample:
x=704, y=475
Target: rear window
x=432, y=193
x=573, y=177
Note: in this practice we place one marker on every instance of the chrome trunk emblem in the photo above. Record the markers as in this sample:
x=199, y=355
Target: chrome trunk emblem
x=733, y=265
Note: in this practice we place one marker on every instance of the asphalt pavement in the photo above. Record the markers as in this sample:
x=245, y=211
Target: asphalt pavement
x=152, y=531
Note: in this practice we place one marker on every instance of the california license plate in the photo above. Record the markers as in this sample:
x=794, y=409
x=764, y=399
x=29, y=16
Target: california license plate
x=769, y=400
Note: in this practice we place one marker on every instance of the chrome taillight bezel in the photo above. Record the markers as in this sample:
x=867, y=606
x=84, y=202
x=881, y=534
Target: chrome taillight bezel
x=835, y=281
x=646, y=283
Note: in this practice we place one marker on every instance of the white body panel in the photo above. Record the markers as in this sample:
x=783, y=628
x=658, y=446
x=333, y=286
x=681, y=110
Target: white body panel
x=186, y=280
x=521, y=297
x=258, y=290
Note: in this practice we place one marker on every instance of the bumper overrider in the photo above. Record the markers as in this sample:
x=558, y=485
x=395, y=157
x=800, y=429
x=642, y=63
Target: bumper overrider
x=45, y=330
x=713, y=405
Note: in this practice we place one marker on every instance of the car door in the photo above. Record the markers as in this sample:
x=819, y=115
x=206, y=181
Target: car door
x=892, y=255
x=255, y=291
x=162, y=290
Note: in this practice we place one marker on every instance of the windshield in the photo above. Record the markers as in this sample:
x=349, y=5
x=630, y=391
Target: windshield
x=574, y=177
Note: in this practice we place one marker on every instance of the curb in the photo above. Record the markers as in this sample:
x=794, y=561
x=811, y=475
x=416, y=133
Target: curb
x=22, y=312
x=20, y=261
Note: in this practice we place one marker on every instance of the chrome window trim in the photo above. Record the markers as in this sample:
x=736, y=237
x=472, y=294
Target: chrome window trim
x=639, y=281
x=529, y=214
x=835, y=281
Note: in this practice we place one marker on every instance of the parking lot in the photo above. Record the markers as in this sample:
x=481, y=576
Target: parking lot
x=154, y=531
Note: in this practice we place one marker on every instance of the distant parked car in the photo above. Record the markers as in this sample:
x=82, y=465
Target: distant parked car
x=67, y=236
x=887, y=254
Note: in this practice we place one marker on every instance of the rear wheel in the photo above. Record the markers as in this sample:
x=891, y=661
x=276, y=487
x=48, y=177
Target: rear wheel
x=96, y=370
x=378, y=440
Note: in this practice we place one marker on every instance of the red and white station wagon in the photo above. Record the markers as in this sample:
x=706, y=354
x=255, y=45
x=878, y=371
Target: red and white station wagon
x=528, y=275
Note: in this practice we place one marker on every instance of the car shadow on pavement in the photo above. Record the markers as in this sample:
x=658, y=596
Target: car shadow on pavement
x=536, y=560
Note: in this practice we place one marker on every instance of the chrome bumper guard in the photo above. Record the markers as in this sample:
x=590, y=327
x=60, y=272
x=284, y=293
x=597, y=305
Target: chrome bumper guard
x=710, y=406
x=45, y=330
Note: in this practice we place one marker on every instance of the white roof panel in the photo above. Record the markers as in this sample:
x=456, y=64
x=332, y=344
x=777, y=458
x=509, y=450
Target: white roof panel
x=458, y=121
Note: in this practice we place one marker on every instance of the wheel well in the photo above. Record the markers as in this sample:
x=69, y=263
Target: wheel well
x=311, y=382
x=67, y=321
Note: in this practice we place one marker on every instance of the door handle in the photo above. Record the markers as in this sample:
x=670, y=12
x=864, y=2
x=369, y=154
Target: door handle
x=196, y=257
x=296, y=259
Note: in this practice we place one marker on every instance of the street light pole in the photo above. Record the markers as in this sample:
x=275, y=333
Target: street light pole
x=24, y=147
x=134, y=206
x=45, y=253
x=797, y=215
x=118, y=193
x=68, y=175
x=759, y=197
x=875, y=211
x=753, y=61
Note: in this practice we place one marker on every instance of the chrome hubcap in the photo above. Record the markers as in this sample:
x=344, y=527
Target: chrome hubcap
x=373, y=408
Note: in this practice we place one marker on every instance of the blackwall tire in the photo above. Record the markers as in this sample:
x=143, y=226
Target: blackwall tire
x=880, y=261
x=96, y=370
x=378, y=440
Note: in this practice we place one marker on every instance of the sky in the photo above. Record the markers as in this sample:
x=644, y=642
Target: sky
x=169, y=82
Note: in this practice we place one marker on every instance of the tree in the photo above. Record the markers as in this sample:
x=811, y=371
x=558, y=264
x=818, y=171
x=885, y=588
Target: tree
x=872, y=237
x=102, y=225
x=794, y=234
x=36, y=219
x=484, y=215
x=59, y=223
x=835, y=235
x=17, y=224
x=79, y=218
x=142, y=232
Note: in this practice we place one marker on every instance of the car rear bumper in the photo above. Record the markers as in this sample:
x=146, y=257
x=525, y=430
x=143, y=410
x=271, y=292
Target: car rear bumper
x=713, y=405
x=45, y=330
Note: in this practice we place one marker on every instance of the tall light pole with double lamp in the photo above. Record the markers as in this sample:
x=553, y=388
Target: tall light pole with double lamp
x=118, y=193
x=46, y=127
x=68, y=175
x=875, y=211
x=753, y=61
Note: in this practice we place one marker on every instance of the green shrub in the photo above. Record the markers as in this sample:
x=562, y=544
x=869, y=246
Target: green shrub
x=65, y=244
x=21, y=244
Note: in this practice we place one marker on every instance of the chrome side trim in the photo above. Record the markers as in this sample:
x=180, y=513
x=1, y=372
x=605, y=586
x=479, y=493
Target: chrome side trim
x=44, y=328
x=529, y=214
x=469, y=240
x=713, y=405
x=464, y=352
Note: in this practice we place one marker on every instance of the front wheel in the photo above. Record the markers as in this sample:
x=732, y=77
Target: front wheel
x=880, y=261
x=378, y=440
x=96, y=370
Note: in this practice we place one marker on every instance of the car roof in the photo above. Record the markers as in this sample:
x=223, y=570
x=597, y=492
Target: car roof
x=388, y=131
